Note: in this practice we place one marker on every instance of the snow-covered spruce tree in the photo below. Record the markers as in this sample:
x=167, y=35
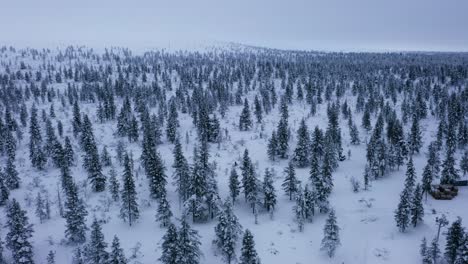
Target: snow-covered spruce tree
x=434, y=251
x=464, y=163
x=2, y=259
x=455, y=239
x=331, y=235
x=75, y=214
x=310, y=198
x=427, y=179
x=172, y=121
x=248, y=252
x=417, y=209
x=269, y=192
x=4, y=191
x=249, y=181
x=12, y=179
x=91, y=160
x=114, y=185
x=69, y=154
x=188, y=244
x=290, y=183
x=170, y=246
x=51, y=257
x=129, y=211
x=76, y=121
x=19, y=234
x=117, y=255
x=424, y=252
x=258, y=109
x=164, y=213
x=282, y=136
x=155, y=172
x=463, y=251
x=40, y=211
x=449, y=172
x=326, y=171
x=234, y=184
x=415, y=138
x=181, y=174
x=354, y=135
x=36, y=153
x=227, y=231
x=410, y=179
x=245, y=119
x=300, y=209
x=272, y=148
x=317, y=144
x=106, y=159
x=95, y=251
x=302, y=151
x=402, y=213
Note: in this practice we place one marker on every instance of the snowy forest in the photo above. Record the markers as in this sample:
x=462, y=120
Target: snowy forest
x=232, y=154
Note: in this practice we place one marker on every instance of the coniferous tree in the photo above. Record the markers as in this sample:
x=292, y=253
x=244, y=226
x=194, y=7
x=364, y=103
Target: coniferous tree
x=415, y=138
x=36, y=153
x=245, y=120
x=181, y=171
x=258, y=109
x=434, y=251
x=51, y=257
x=92, y=162
x=129, y=208
x=354, y=134
x=234, y=185
x=188, y=244
x=40, y=212
x=463, y=251
x=75, y=214
x=402, y=213
x=282, y=136
x=300, y=209
x=331, y=235
x=95, y=251
x=269, y=192
x=248, y=253
x=227, y=232
x=455, y=238
x=302, y=151
x=424, y=252
x=76, y=123
x=117, y=255
x=464, y=163
x=106, y=159
x=290, y=183
x=12, y=179
x=19, y=234
x=68, y=153
x=114, y=187
x=449, y=173
x=4, y=191
x=417, y=209
x=172, y=122
x=164, y=212
x=249, y=181
x=427, y=178
x=155, y=172
x=272, y=146
x=170, y=246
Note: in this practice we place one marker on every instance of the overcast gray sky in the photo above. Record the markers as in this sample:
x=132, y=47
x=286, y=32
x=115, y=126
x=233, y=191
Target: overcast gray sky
x=350, y=25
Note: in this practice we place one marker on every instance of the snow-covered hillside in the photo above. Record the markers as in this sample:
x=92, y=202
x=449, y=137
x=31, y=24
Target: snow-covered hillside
x=360, y=110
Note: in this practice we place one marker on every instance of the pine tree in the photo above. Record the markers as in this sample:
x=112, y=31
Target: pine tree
x=75, y=214
x=331, y=236
x=172, y=122
x=272, y=146
x=155, y=172
x=11, y=175
x=415, y=138
x=402, y=213
x=91, y=161
x=19, y=235
x=290, y=183
x=170, y=246
x=129, y=209
x=188, y=244
x=68, y=152
x=302, y=151
x=4, y=191
x=248, y=253
x=417, y=209
x=51, y=257
x=227, y=232
x=449, y=173
x=300, y=209
x=455, y=238
x=463, y=251
x=2, y=259
x=427, y=178
x=410, y=179
x=114, y=187
x=95, y=251
x=106, y=159
x=245, y=121
x=269, y=192
x=464, y=163
x=181, y=171
x=424, y=251
x=36, y=154
x=258, y=109
x=249, y=181
x=41, y=212
x=234, y=185
x=164, y=212
x=434, y=251
x=282, y=135
x=76, y=123
x=117, y=255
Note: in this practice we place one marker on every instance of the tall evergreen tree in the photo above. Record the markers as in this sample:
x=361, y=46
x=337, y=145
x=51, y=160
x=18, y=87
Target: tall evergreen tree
x=181, y=174
x=302, y=151
x=117, y=255
x=164, y=213
x=234, y=185
x=19, y=234
x=155, y=171
x=449, y=172
x=95, y=251
x=417, y=209
x=227, y=232
x=172, y=122
x=245, y=120
x=331, y=235
x=258, y=109
x=290, y=183
x=455, y=239
x=415, y=138
x=269, y=192
x=129, y=210
x=272, y=149
x=170, y=246
x=188, y=244
x=248, y=253
x=75, y=214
